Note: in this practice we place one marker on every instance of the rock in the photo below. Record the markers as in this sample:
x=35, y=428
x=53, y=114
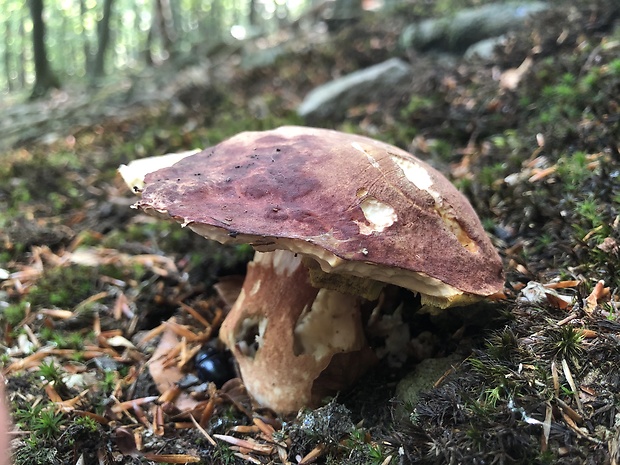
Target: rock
x=333, y=99
x=262, y=58
x=485, y=48
x=420, y=380
x=457, y=32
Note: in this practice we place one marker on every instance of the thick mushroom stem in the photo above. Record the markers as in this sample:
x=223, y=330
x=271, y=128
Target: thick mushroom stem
x=285, y=333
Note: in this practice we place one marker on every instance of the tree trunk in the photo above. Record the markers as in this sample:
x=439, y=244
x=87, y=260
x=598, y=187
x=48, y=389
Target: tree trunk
x=215, y=21
x=64, y=60
x=165, y=26
x=136, y=48
x=103, y=39
x=7, y=55
x=176, y=20
x=85, y=42
x=198, y=16
x=147, y=52
x=45, y=79
x=252, y=19
x=282, y=15
x=21, y=70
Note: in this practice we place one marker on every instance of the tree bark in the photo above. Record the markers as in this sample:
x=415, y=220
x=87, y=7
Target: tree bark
x=85, y=42
x=45, y=79
x=165, y=26
x=282, y=15
x=215, y=30
x=103, y=39
x=64, y=59
x=21, y=70
x=198, y=17
x=252, y=13
x=147, y=52
x=8, y=55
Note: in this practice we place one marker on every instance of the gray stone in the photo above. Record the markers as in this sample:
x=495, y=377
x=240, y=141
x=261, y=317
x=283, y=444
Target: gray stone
x=262, y=58
x=331, y=100
x=420, y=380
x=484, y=49
x=457, y=32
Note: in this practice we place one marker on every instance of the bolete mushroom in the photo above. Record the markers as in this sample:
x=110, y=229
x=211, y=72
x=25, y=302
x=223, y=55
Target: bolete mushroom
x=333, y=217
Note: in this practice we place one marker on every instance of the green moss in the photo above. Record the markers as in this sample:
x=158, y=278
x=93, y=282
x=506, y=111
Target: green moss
x=494, y=373
x=135, y=271
x=417, y=103
x=160, y=235
x=572, y=170
x=589, y=209
x=492, y=396
x=33, y=452
x=63, y=340
x=237, y=120
x=14, y=313
x=41, y=420
x=50, y=372
x=545, y=240
x=358, y=449
x=109, y=381
x=566, y=342
x=87, y=423
x=43, y=177
x=441, y=149
x=224, y=454
x=489, y=175
x=503, y=346
x=64, y=286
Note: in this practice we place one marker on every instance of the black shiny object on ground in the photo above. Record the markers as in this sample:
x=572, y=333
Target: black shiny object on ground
x=214, y=365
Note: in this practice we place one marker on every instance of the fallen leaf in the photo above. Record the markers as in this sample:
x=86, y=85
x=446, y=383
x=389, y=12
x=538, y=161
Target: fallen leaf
x=536, y=293
x=511, y=78
x=166, y=376
x=592, y=300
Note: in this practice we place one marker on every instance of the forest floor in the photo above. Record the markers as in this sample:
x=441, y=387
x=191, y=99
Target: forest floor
x=88, y=285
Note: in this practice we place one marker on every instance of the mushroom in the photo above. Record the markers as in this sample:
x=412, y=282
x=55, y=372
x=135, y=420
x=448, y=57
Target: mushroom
x=333, y=218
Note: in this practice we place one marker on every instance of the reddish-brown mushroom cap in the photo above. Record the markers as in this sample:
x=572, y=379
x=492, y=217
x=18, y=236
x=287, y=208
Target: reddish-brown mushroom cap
x=355, y=205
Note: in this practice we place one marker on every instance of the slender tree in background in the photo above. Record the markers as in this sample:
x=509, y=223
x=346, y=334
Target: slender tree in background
x=21, y=70
x=165, y=23
x=146, y=49
x=45, y=79
x=162, y=27
x=7, y=54
x=252, y=13
x=103, y=39
x=85, y=42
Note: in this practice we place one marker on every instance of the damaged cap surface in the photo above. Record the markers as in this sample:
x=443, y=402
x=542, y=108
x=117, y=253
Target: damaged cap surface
x=356, y=205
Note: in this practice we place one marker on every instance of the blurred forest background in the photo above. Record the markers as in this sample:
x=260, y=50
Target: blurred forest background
x=54, y=43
